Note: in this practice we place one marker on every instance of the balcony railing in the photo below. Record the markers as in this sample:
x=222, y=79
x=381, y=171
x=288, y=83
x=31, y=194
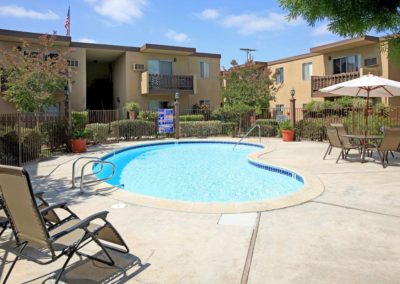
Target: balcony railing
x=159, y=82
x=319, y=82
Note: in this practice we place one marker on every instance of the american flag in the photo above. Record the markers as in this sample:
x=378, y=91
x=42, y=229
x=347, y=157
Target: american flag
x=67, y=24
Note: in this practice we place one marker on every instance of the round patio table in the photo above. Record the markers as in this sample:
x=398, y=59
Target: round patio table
x=363, y=139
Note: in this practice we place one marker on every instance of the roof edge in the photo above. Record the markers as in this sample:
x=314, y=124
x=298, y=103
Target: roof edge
x=205, y=54
x=104, y=46
x=13, y=33
x=168, y=47
x=292, y=58
x=343, y=42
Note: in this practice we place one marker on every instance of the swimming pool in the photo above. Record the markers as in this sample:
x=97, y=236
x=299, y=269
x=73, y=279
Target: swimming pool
x=199, y=172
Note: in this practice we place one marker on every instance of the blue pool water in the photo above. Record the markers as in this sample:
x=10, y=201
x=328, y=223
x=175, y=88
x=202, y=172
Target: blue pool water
x=198, y=172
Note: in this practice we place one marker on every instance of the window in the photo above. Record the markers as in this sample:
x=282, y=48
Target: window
x=72, y=63
x=51, y=55
x=280, y=109
x=54, y=108
x=155, y=105
x=346, y=64
x=163, y=67
x=204, y=70
x=370, y=61
x=307, y=71
x=279, y=75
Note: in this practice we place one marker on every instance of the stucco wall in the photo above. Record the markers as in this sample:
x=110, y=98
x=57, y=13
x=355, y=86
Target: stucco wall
x=119, y=78
x=207, y=89
x=293, y=78
x=78, y=86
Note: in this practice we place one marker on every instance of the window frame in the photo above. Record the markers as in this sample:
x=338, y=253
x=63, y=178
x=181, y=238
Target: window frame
x=309, y=72
x=203, y=74
x=280, y=75
x=357, y=59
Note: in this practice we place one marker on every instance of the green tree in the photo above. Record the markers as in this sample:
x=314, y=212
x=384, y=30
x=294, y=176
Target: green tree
x=249, y=87
x=33, y=78
x=352, y=17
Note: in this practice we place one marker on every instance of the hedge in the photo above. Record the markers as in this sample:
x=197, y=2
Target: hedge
x=133, y=129
x=148, y=115
x=191, y=117
x=311, y=129
x=228, y=128
x=200, y=128
x=31, y=145
x=99, y=132
x=269, y=127
x=54, y=134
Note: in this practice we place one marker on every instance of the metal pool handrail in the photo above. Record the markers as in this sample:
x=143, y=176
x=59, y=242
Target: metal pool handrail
x=91, y=160
x=247, y=134
x=74, y=165
x=101, y=162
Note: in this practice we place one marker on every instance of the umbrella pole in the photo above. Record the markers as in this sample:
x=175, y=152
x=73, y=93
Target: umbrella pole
x=366, y=114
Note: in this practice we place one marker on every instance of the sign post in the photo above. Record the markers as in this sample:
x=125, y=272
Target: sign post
x=165, y=120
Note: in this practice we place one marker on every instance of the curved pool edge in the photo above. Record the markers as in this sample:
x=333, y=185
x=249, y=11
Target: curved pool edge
x=312, y=188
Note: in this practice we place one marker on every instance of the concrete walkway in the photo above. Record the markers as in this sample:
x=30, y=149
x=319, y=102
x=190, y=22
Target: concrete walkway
x=349, y=234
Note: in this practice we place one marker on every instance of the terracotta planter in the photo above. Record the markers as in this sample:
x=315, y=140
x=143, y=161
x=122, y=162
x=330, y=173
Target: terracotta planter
x=132, y=115
x=78, y=145
x=288, y=135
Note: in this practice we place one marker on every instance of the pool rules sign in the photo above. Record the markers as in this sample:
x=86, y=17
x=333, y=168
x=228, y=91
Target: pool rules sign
x=165, y=120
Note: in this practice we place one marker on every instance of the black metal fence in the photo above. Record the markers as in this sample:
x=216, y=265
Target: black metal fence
x=29, y=136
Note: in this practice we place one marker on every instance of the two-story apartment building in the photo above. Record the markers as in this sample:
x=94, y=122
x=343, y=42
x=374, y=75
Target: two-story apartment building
x=108, y=76
x=330, y=64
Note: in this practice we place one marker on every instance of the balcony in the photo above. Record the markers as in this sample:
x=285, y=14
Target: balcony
x=158, y=83
x=319, y=82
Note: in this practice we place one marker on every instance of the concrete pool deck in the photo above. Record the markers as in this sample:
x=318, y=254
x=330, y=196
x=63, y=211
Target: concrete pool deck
x=349, y=234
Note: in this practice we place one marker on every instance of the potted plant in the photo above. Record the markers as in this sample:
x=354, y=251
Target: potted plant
x=133, y=109
x=79, y=140
x=287, y=130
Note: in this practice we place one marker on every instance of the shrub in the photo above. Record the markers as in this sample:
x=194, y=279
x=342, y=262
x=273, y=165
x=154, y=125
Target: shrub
x=375, y=123
x=148, y=115
x=228, y=128
x=79, y=120
x=200, y=128
x=31, y=144
x=285, y=125
x=132, y=106
x=191, y=117
x=8, y=159
x=311, y=129
x=269, y=127
x=54, y=134
x=133, y=129
x=98, y=132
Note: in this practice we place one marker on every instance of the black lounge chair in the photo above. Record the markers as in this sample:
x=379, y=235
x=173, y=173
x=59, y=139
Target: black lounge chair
x=63, y=238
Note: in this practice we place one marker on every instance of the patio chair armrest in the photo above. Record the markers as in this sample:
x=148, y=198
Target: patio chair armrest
x=39, y=194
x=81, y=224
x=61, y=205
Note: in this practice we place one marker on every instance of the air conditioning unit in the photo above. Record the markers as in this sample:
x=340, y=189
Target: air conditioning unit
x=73, y=63
x=138, y=67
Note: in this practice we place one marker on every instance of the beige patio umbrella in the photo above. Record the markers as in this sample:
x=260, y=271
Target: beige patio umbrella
x=367, y=86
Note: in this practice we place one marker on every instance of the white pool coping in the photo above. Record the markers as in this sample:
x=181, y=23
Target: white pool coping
x=312, y=188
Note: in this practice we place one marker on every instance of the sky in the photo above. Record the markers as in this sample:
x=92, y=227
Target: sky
x=213, y=26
